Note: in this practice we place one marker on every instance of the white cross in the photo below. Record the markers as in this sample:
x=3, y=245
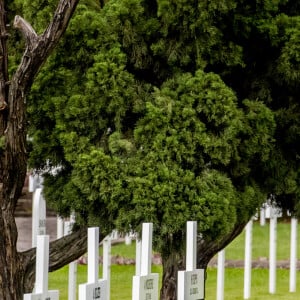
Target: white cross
x=145, y=284
x=38, y=215
x=94, y=288
x=41, y=272
x=191, y=282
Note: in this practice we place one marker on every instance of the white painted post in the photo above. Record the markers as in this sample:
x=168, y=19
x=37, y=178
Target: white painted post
x=191, y=246
x=35, y=181
x=72, y=266
x=262, y=217
x=145, y=285
x=95, y=288
x=146, y=249
x=293, y=256
x=248, y=260
x=72, y=280
x=138, y=250
x=31, y=184
x=114, y=234
x=272, y=250
x=127, y=239
x=107, y=263
x=191, y=282
x=221, y=275
x=93, y=254
x=38, y=215
x=59, y=227
x=42, y=263
x=41, y=272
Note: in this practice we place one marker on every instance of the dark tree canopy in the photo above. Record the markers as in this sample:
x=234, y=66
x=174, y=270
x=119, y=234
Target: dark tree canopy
x=170, y=111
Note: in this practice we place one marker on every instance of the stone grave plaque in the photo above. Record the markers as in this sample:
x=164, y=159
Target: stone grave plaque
x=50, y=295
x=145, y=287
x=93, y=291
x=191, y=285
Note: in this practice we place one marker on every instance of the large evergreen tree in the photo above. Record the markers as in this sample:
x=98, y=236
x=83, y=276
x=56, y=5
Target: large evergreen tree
x=171, y=111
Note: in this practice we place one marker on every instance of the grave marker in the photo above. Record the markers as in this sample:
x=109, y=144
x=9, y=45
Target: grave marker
x=95, y=288
x=41, y=272
x=272, y=248
x=35, y=181
x=38, y=215
x=68, y=225
x=59, y=227
x=191, y=281
x=248, y=260
x=221, y=275
x=262, y=216
x=145, y=285
x=107, y=264
x=138, y=251
x=293, y=255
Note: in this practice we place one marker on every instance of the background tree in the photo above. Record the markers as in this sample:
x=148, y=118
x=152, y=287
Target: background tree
x=17, y=269
x=171, y=111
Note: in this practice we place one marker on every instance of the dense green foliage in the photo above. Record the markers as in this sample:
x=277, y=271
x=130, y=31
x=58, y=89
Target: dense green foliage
x=170, y=111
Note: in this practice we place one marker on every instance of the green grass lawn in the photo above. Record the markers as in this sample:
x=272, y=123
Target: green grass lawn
x=260, y=243
x=121, y=275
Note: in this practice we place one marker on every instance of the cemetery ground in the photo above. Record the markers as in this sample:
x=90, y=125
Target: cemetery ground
x=123, y=269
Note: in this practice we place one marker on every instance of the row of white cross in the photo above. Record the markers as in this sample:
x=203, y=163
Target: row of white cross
x=145, y=283
x=190, y=282
x=272, y=214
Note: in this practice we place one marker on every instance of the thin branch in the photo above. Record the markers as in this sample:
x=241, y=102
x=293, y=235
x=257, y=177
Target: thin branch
x=58, y=25
x=26, y=29
x=67, y=249
x=39, y=47
x=62, y=252
x=207, y=249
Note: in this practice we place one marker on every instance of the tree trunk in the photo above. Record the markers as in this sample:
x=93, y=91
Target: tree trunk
x=17, y=269
x=173, y=261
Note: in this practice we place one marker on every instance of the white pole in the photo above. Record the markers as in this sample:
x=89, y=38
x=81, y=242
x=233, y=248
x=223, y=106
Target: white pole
x=59, y=227
x=93, y=254
x=272, y=258
x=191, y=245
x=248, y=260
x=138, y=250
x=42, y=264
x=107, y=263
x=127, y=239
x=262, y=216
x=38, y=215
x=146, y=252
x=221, y=275
x=72, y=280
x=67, y=225
x=293, y=258
x=31, y=184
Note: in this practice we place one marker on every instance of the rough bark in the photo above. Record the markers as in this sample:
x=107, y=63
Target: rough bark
x=15, y=266
x=172, y=263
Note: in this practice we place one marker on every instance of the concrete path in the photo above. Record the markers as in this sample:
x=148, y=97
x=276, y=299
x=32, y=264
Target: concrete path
x=24, y=225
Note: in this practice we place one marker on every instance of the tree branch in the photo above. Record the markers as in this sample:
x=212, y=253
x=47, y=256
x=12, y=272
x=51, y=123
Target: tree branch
x=38, y=48
x=206, y=250
x=3, y=61
x=67, y=249
x=26, y=29
x=61, y=252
